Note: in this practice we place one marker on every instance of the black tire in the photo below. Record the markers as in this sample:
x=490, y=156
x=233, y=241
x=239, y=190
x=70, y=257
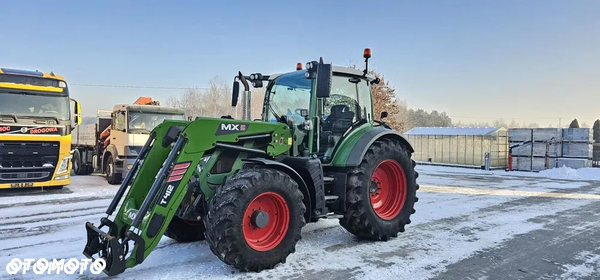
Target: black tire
x=77, y=167
x=183, y=231
x=361, y=219
x=112, y=177
x=89, y=169
x=227, y=215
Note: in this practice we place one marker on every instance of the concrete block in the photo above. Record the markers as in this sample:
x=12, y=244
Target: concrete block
x=545, y=134
x=574, y=163
x=539, y=163
x=522, y=163
x=576, y=134
x=554, y=149
x=519, y=134
x=574, y=149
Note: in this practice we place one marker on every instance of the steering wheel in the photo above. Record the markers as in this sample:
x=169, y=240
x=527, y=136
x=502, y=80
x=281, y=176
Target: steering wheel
x=296, y=115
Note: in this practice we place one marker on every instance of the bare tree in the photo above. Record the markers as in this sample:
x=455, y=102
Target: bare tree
x=190, y=101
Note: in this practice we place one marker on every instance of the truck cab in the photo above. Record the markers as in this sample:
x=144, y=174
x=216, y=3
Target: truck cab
x=130, y=128
x=35, y=129
x=112, y=143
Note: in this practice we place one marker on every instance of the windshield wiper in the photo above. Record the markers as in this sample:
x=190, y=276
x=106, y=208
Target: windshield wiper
x=41, y=118
x=141, y=130
x=13, y=116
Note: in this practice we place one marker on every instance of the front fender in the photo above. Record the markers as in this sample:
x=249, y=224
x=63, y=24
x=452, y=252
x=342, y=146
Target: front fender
x=292, y=173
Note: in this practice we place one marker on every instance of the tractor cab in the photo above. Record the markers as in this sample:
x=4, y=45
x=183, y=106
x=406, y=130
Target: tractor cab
x=321, y=104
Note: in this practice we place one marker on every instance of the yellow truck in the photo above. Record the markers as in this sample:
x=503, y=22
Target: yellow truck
x=35, y=129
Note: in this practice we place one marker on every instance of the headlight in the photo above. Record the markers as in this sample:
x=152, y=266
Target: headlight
x=63, y=166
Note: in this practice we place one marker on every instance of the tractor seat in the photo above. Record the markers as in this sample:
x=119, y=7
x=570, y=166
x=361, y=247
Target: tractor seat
x=339, y=120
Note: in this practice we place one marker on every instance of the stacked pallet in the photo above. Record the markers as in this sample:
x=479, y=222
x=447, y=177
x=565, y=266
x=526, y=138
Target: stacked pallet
x=550, y=147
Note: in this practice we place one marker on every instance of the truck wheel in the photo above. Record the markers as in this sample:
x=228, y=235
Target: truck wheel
x=185, y=231
x=381, y=192
x=112, y=177
x=89, y=169
x=255, y=218
x=77, y=167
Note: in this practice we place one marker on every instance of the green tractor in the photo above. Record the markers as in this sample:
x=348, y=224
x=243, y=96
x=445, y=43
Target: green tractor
x=248, y=187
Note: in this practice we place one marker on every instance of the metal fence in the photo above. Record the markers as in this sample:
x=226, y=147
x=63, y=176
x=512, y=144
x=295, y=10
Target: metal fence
x=462, y=149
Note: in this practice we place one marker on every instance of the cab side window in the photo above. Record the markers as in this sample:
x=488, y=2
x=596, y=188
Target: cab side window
x=342, y=107
x=119, y=121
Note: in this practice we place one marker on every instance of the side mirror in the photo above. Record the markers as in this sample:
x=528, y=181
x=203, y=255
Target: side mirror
x=324, y=74
x=235, y=94
x=236, y=88
x=77, y=112
x=384, y=115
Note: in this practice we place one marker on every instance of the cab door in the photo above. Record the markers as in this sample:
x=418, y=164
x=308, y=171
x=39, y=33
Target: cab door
x=336, y=115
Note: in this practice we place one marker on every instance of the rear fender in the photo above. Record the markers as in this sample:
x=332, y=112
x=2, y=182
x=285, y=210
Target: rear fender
x=359, y=150
x=292, y=173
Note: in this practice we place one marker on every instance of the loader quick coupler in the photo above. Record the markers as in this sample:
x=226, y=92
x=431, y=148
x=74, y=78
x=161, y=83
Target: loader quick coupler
x=109, y=248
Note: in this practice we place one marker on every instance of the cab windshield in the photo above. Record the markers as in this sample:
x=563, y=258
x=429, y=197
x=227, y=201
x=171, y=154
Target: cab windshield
x=288, y=94
x=22, y=105
x=145, y=122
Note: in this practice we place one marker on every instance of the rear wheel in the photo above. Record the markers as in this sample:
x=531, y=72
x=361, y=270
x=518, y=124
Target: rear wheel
x=89, y=169
x=381, y=192
x=185, y=231
x=255, y=218
x=78, y=166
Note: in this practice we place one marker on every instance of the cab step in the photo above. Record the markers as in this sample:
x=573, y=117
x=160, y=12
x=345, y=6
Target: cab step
x=328, y=180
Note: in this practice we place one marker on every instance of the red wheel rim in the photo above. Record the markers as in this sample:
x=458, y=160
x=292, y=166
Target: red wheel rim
x=388, y=189
x=269, y=236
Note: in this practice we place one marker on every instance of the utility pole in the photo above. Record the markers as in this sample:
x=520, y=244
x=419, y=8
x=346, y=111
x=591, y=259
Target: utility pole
x=559, y=123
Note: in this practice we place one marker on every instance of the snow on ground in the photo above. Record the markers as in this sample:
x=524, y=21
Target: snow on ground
x=562, y=173
x=587, y=267
x=447, y=228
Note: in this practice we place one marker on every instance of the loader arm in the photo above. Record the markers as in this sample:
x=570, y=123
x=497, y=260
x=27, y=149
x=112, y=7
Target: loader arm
x=151, y=195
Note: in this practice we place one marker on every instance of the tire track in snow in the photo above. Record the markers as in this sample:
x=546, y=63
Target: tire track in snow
x=56, y=201
x=51, y=216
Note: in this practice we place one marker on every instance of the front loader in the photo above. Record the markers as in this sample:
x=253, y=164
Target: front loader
x=248, y=187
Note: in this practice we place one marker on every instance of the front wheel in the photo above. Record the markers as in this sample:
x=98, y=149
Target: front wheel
x=255, y=218
x=381, y=192
x=185, y=231
x=112, y=176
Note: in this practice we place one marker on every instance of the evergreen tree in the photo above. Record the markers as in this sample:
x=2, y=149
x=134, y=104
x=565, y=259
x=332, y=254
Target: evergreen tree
x=574, y=124
x=596, y=131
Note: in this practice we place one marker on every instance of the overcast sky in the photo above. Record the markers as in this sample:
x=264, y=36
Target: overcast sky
x=531, y=61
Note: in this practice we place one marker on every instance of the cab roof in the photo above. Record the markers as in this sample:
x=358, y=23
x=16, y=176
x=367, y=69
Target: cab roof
x=149, y=108
x=335, y=70
x=35, y=73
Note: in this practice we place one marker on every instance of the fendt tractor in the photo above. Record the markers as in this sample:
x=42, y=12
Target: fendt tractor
x=35, y=129
x=248, y=187
x=112, y=143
